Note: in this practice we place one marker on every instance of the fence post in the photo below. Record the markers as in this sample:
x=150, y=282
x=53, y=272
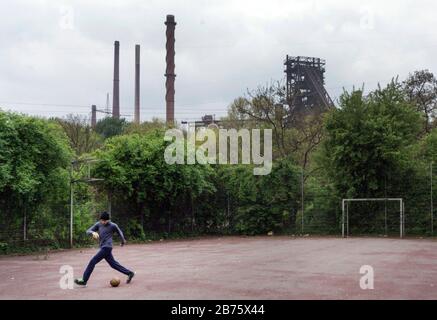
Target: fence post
x=401, y=217
x=302, y=200
x=228, y=211
x=25, y=225
x=342, y=218
x=347, y=219
x=432, y=203
x=71, y=206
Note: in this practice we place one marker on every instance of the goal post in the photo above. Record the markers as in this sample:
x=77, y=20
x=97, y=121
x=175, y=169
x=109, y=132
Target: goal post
x=345, y=213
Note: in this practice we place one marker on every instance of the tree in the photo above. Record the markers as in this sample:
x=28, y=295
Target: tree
x=144, y=127
x=33, y=178
x=262, y=107
x=82, y=137
x=109, y=127
x=294, y=134
x=421, y=91
x=369, y=138
x=262, y=203
x=157, y=195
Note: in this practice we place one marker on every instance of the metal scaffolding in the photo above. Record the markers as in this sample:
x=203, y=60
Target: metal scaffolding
x=305, y=84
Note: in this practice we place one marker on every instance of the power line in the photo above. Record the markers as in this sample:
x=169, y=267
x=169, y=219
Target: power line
x=154, y=110
x=148, y=112
x=88, y=106
x=162, y=107
x=108, y=112
x=47, y=104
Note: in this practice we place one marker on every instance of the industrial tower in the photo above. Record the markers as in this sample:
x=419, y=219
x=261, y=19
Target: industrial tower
x=305, y=84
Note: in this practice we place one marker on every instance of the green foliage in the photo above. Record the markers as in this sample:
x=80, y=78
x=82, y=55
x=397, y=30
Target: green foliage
x=322, y=207
x=134, y=230
x=144, y=127
x=372, y=150
x=377, y=145
x=369, y=138
x=421, y=91
x=110, y=127
x=31, y=149
x=33, y=177
x=144, y=187
x=428, y=147
x=84, y=217
x=83, y=139
x=4, y=248
x=263, y=203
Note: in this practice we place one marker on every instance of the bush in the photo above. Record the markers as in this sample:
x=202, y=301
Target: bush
x=135, y=231
x=4, y=248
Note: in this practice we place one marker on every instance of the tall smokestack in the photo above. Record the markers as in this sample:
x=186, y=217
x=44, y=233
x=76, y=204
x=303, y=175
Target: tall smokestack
x=93, y=116
x=137, y=84
x=116, y=89
x=169, y=73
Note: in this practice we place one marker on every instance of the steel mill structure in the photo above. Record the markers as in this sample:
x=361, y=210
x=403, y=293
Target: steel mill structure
x=169, y=83
x=305, y=92
x=116, y=88
x=170, y=70
x=305, y=80
x=93, y=116
x=137, y=84
x=305, y=85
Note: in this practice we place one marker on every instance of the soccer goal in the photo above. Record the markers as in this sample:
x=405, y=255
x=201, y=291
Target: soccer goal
x=345, y=213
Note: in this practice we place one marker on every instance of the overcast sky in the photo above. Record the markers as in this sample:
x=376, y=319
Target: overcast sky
x=56, y=57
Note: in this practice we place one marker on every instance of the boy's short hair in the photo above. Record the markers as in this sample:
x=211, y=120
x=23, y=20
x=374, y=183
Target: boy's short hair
x=104, y=216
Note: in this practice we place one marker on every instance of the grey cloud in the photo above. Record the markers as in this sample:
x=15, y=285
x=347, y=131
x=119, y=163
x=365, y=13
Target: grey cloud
x=222, y=48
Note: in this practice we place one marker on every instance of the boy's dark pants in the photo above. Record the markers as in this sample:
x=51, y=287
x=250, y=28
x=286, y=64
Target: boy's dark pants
x=104, y=253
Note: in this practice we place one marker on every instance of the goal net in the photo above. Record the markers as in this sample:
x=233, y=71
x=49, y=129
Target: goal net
x=373, y=215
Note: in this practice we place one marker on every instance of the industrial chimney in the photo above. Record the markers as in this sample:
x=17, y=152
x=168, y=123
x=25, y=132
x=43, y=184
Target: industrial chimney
x=93, y=116
x=116, y=89
x=169, y=73
x=137, y=84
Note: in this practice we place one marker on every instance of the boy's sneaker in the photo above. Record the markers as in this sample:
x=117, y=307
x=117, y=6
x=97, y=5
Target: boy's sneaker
x=130, y=276
x=80, y=282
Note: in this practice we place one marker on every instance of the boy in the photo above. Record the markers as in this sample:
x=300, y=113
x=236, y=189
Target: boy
x=103, y=231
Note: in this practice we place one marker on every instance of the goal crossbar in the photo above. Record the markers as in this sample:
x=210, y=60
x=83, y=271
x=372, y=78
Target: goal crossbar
x=345, y=213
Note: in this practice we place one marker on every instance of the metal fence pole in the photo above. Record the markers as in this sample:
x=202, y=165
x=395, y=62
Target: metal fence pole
x=302, y=200
x=385, y=207
x=229, y=209
x=25, y=225
x=71, y=207
x=347, y=219
x=342, y=218
x=432, y=203
x=401, y=218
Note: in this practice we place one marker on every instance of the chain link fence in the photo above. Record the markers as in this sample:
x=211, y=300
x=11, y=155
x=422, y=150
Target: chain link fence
x=316, y=211
x=322, y=209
